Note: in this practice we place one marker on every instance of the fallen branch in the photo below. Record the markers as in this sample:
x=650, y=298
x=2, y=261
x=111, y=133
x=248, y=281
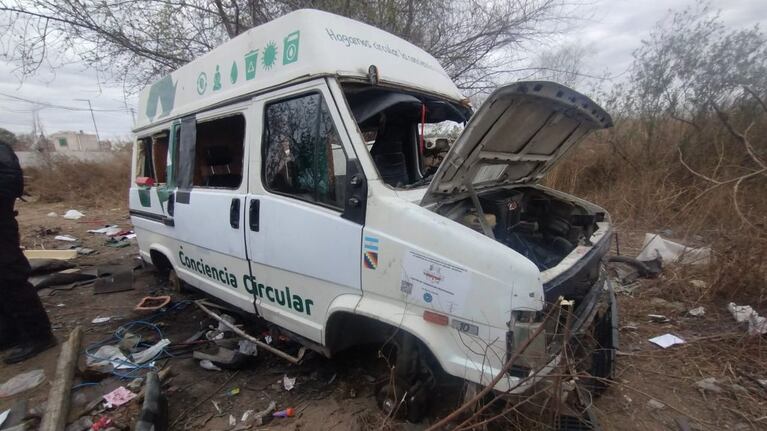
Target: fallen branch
x=55, y=418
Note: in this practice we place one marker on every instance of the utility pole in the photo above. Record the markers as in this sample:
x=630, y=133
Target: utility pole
x=93, y=117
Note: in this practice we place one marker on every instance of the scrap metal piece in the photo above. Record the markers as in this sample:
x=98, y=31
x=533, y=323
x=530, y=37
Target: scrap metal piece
x=201, y=304
x=113, y=278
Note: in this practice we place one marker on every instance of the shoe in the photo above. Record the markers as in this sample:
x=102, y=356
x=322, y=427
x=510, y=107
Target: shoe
x=7, y=342
x=26, y=350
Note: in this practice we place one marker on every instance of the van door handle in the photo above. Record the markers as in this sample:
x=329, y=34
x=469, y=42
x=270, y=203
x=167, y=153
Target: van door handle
x=234, y=213
x=254, y=214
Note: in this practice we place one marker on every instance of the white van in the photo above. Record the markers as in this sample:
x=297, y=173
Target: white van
x=283, y=173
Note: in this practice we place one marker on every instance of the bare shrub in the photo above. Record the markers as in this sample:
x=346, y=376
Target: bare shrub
x=101, y=184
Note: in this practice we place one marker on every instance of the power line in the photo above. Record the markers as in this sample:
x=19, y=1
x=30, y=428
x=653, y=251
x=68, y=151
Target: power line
x=68, y=108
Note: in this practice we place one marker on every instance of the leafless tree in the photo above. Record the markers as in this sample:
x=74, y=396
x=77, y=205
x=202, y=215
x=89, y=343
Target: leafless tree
x=137, y=41
x=712, y=81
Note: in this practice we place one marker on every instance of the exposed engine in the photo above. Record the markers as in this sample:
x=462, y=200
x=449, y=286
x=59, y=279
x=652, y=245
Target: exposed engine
x=542, y=228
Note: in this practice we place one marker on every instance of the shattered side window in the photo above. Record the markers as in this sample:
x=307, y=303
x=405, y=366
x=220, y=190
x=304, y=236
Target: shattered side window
x=144, y=158
x=303, y=156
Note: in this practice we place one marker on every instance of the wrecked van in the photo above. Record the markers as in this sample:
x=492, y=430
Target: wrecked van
x=283, y=173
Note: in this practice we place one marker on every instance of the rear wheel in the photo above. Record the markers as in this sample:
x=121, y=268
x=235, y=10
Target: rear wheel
x=175, y=283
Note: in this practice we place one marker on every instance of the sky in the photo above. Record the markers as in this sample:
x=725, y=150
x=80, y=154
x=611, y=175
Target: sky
x=610, y=30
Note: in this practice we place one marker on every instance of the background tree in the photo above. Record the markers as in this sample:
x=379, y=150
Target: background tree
x=137, y=41
x=8, y=137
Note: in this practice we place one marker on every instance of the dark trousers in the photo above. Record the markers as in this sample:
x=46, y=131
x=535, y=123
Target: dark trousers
x=22, y=315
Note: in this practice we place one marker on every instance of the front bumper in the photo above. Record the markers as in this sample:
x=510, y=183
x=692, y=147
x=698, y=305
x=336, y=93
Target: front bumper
x=596, y=315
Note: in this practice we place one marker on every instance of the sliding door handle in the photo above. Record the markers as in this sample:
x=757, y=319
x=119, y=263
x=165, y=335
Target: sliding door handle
x=234, y=213
x=254, y=213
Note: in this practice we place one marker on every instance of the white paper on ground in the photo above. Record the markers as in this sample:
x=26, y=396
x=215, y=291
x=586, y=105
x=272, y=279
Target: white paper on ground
x=73, y=215
x=667, y=340
x=65, y=238
x=104, y=229
x=669, y=251
x=4, y=416
x=288, y=383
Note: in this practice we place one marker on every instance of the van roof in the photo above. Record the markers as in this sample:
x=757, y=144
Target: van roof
x=302, y=44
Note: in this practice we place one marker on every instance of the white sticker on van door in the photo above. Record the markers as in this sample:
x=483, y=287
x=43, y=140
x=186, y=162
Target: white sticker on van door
x=435, y=283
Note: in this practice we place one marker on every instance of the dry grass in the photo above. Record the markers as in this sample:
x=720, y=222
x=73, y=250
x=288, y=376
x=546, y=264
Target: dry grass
x=82, y=183
x=634, y=171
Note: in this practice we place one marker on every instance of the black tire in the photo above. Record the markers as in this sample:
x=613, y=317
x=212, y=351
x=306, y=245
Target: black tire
x=390, y=398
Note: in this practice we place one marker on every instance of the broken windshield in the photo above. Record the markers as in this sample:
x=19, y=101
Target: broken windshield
x=406, y=133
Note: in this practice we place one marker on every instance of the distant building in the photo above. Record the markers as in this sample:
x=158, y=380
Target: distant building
x=68, y=141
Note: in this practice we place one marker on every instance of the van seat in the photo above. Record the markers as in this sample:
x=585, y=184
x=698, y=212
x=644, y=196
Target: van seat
x=392, y=168
x=221, y=155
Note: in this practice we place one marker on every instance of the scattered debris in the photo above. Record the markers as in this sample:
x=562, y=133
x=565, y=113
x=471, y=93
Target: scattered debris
x=288, y=383
x=658, y=318
x=67, y=276
x=700, y=284
x=52, y=214
x=287, y=413
x=73, y=215
x=116, y=243
x=82, y=424
x=108, y=230
x=224, y=358
x=757, y=325
x=154, y=411
x=709, y=384
x=57, y=407
x=50, y=254
x=250, y=417
x=68, y=238
x=669, y=251
x=666, y=340
x=697, y=311
x=118, y=397
x=99, y=319
x=102, y=423
x=4, y=416
x=113, y=278
x=84, y=251
x=208, y=365
x=108, y=357
x=248, y=348
x=232, y=392
x=655, y=404
x=47, y=266
x=660, y=302
x=22, y=382
x=152, y=303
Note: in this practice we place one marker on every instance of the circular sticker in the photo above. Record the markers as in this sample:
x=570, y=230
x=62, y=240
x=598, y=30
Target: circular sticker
x=427, y=297
x=202, y=83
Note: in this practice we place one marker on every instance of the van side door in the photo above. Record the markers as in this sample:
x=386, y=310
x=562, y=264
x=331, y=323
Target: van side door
x=305, y=210
x=209, y=203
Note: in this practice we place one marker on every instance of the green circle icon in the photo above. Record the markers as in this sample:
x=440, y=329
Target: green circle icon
x=202, y=83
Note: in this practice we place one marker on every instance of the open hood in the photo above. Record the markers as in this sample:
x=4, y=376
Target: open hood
x=517, y=134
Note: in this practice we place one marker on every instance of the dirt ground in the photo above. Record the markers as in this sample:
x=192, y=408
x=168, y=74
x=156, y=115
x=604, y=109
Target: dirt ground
x=338, y=394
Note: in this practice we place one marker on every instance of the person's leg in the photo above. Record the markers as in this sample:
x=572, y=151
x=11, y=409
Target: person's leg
x=7, y=331
x=19, y=303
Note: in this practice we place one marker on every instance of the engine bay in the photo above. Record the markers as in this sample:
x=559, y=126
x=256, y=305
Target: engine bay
x=539, y=226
